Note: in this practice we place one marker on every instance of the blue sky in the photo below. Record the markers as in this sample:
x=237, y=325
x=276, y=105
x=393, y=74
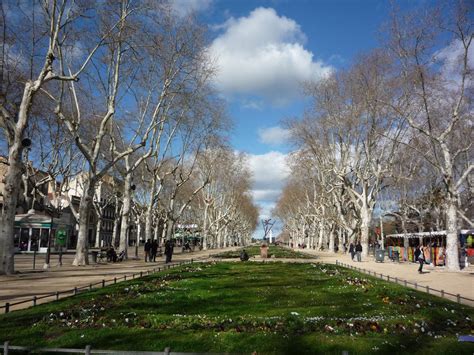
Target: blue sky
x=264, y=50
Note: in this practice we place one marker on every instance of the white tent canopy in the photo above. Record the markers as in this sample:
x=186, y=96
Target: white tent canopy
x=427, y=234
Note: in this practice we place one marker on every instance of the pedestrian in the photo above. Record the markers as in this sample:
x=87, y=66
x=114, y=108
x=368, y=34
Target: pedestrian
x=169, y=250
x=420, y=257
x=358, y=250
x=352, y=251
x=147, y=250
x=154, y=250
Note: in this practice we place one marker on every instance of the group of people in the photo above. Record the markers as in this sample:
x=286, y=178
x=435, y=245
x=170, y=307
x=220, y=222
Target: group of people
x=152, y=248
x=356, y=250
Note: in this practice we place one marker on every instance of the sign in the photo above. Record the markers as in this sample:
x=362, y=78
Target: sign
x=188, y=226
x=61, y=237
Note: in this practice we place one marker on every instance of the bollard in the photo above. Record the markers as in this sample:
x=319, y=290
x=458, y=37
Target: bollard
x=75, y=290
x=159, y=269
x=396, y=280
x=141, y=273
x=458, y=297
x=103, y=283
x=191, y=260
x=416, y=286
x=405, y=282
x=7, y=307
x=34, y=301
x=90, y=287
x=57, y=295
x=442, y=293
x=427, y=289
x=87, y=351
x=34, y=259
x=388, y=277
x=115, y=280
x=5, y=347
x=125, y=278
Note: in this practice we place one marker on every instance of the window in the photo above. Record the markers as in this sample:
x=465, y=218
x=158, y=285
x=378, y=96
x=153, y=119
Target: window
x=44, y=238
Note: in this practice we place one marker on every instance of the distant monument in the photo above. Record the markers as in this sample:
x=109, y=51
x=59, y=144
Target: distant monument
x=267, y=228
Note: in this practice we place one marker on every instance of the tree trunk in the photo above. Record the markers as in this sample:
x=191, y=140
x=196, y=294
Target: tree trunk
x=149, y=211
x=97, y=233
x=365, y=216
x=321, y=235
x=125, y=214
x=204, y=227
x=12, y=184
x=340, y=237
x=10, y=199
x=332, y=239
x=82, y=248
x=452, y=240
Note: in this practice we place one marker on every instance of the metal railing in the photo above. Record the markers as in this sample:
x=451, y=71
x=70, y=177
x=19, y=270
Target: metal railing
x=7, y=348
x=91, y=286
x=432, y=291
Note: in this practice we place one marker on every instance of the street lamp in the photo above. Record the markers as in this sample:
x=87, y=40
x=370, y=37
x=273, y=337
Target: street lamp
x=52, y=210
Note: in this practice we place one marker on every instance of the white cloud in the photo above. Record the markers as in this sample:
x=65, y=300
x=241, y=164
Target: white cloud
x=451, y=58
x=263, y=54
x=269, y=170
x=185, y=7
x=274, y=135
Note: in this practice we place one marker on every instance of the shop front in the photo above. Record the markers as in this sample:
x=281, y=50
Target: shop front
x=32, y=232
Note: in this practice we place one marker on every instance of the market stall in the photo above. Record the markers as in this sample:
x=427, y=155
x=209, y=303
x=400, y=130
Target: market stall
x=402, y=246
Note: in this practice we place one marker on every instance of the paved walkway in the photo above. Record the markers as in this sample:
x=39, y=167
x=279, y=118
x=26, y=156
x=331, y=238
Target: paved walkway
x=435, y=277
x=27, y=282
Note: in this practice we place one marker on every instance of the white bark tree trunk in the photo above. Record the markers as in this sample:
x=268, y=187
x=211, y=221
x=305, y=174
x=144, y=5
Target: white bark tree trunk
x=365, y=217
x=125, y=214
x=97, y=232
x=452, y=239
x=82, y=248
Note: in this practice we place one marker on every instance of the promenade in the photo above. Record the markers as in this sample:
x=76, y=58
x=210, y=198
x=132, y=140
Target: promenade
x=27, y=282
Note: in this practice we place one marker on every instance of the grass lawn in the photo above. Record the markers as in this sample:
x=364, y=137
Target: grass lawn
x=245, y=307
x=253, y=250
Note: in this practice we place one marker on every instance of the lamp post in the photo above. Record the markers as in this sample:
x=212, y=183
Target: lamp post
x=52, y=211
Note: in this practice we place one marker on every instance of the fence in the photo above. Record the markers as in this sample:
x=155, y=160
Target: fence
x=74, y=291
x=442, y=293
x=87, y=350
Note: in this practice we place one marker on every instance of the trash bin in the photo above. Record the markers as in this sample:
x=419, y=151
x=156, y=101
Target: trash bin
x=264, y=251
x=396, y=256
x=94, y=256
x=379, y=255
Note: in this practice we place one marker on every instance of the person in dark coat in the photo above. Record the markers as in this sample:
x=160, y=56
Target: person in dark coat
x=148, y=250
x=358, y=250
x=352, y=251
x=420, y=257
x=169, y=250
x=154, y=250
x=243, y=255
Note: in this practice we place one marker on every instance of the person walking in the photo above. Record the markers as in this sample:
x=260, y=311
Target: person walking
x=420, y=257
x=169, y=251
x=358, y=250
x=352, y=251
x=154, y=250
x=147, y=250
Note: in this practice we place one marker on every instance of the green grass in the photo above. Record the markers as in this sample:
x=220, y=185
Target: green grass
x=278, y=252
x=245, y=307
